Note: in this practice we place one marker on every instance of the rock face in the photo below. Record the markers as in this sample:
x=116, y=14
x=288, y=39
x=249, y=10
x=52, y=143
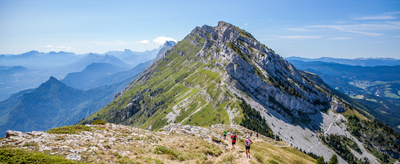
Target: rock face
x=199, y=82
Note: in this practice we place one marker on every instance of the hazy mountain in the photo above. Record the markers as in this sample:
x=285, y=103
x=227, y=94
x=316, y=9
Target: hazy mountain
x=96, y=58
x=14, y=79
x=375, y=87
x=223, y=75
x=7, y=105
x=54, y=104
x=134, y=58
x=353, y=62
x=167, y=46
x=119, y=76
x=92, y=72
x=35, y=59
x=377, y=73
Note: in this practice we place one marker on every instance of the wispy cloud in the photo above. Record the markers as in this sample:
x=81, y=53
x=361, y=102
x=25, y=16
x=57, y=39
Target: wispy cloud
x=376, y=17
x=246, y=24
x=49, y=46
x=339, y=38
x=348, y=28
x=391, y=13
x=362, y=28
x=298, y=29
x=163, y=39
x=300, y=37
x=388, y=15
x=145, y=41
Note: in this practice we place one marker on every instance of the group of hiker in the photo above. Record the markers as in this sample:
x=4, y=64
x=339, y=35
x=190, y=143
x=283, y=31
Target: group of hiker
x=247, y=142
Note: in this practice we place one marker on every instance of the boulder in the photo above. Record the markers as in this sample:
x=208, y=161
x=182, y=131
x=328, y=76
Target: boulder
x=10, y=133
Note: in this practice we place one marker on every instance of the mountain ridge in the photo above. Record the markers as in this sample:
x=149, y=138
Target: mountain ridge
x=207, y=77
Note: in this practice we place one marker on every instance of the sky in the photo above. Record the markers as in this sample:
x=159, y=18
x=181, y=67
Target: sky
x=306, y=28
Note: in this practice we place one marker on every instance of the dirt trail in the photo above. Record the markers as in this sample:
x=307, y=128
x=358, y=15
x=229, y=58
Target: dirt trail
x=239, y=151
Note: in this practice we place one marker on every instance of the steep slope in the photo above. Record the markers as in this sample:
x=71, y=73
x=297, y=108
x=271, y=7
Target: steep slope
x=167, y=46
x=210, y=76
x=92, y=72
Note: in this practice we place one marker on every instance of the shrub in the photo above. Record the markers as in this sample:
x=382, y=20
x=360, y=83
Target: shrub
x=99, y=122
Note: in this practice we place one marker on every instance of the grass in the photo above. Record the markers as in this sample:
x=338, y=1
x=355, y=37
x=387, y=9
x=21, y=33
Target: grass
x=264, y=152
x=10, y=155
x=72, y=129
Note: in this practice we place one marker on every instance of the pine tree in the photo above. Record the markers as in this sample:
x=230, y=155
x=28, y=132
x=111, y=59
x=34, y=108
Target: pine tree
x=320, y=160
x=333, y=159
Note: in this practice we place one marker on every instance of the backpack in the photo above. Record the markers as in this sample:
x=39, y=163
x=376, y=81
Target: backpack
x=234, y=137
x=247, y=143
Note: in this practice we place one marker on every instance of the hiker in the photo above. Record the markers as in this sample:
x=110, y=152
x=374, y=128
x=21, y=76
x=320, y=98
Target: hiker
x=224, y=135
x=247, y=144
x=251, y=133
x=234, y=138
x=257, y=135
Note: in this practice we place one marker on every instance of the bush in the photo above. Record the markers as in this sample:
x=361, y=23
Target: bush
x=99, y=122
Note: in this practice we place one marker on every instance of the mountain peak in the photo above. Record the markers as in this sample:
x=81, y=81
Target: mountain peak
x=169, y=43
x=52, y=79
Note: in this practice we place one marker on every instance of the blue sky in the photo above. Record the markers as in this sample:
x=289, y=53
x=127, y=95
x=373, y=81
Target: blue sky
x=307, y=28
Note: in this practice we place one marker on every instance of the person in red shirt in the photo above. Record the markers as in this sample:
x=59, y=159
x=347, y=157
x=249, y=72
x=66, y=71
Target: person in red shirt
x=247, y=144
x=234, y=138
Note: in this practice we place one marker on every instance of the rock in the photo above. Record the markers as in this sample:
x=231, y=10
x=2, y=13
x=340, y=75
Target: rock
x=35, y=133
x=10, y=133
x=74, y=157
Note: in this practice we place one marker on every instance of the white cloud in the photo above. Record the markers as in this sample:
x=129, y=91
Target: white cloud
x=357, y=27
x=376, y=17
x=65, y=48
x=163, y=39
x=339, y=38
x=145, y=41
x=246, y=24
x=300, y=37
x=49, y=46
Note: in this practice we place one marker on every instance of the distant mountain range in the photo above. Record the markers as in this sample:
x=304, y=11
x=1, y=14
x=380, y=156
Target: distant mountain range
x=353, y=62
x=29, y=70
x=55, y=104
x=134, y=58
x=378, y=87
x=35, y=59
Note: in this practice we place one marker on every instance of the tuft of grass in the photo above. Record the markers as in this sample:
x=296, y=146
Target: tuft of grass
x=167, y=151
x=34, y=144
x=71, y=129
x=259, y=158
x=10, y=155
x=99, y=122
